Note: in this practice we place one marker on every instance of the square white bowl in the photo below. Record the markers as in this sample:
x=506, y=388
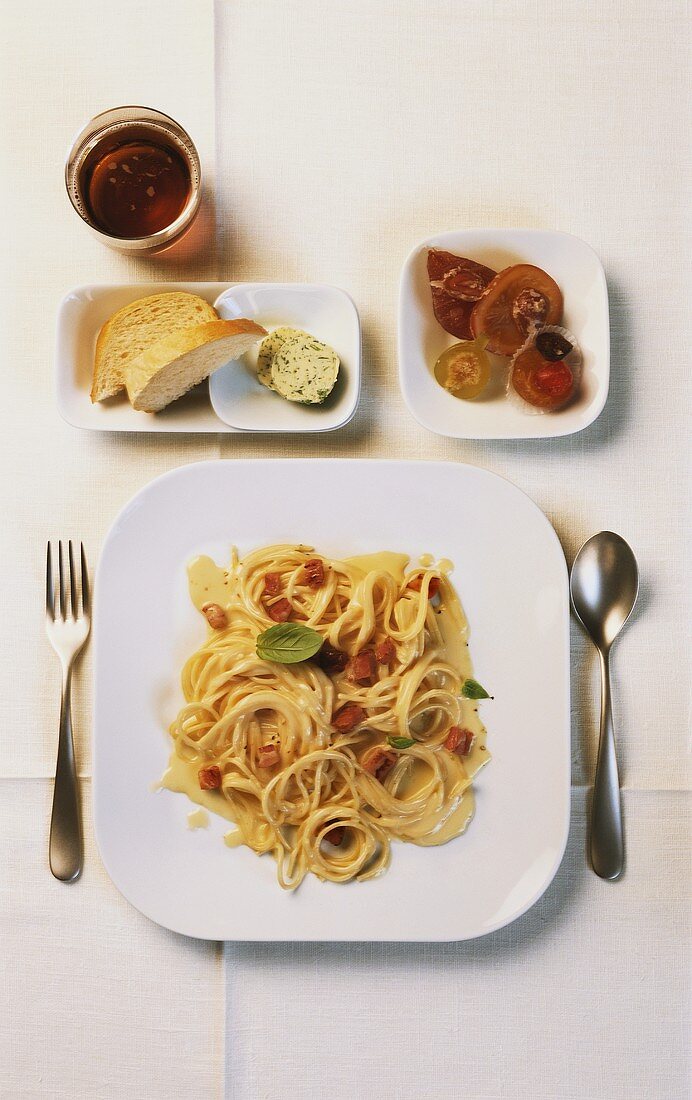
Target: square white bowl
x=326, y=313
x=578, y=271
x=145, y=627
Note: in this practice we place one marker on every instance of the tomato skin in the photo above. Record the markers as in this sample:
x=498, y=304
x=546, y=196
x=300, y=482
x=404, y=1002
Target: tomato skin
x=452, y=314
x=440, y=263
x=495, y=314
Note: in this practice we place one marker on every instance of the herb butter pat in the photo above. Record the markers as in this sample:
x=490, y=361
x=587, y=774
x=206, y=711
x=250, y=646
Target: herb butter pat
x=297, y=366
x=268, y=349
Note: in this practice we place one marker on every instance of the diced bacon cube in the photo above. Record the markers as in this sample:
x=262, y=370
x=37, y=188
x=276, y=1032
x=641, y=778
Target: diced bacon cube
x=378, y=761
x=362, y=669
x=269, y=755
x=272, y=584
x=280, y=611
x=215, y=616
x=348, y=717
x=459, y=740
x=336, y=835
x=453, y=738
x=385, y=651
x=209, y=778
x=314, y=573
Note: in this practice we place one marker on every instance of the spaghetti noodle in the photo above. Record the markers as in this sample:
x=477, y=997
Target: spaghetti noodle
x=322, y=763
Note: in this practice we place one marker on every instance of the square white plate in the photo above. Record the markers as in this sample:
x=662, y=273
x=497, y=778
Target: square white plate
x=578, y=271
x=145, y=627
x=326, y=313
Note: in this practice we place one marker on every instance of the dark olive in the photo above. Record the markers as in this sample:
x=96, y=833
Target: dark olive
x=552, y=346
x=330, y=659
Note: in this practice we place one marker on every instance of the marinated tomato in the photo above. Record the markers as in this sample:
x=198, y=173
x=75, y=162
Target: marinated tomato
x=517, y=300
x=545, y=373
x=456, y=283
x=544, y=385
x=453, y=314
x=464, y=369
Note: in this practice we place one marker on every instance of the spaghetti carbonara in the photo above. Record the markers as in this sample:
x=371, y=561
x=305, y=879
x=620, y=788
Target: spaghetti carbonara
x=323, y=761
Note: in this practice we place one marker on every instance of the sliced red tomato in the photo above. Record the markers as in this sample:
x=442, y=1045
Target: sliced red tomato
x=516, y=298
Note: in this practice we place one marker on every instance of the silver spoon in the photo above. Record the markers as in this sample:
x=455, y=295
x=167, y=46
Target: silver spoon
x=603, y=585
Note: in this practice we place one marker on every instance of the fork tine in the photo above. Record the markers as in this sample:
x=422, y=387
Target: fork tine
x=73, y=583
x=85, y=580
x=61, y=577
x=50, y=590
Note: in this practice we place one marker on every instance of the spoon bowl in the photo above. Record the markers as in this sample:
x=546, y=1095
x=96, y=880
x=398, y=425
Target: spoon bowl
x=603, y=584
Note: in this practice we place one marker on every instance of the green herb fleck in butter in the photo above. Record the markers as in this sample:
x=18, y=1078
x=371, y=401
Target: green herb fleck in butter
x=268, y=349
x=304, y=370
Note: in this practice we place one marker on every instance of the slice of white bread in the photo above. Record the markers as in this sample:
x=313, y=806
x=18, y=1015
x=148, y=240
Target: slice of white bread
x=172, y=366
x=135, y=327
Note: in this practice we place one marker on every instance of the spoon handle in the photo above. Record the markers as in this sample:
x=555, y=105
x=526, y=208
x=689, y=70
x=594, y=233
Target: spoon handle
x=607, y=848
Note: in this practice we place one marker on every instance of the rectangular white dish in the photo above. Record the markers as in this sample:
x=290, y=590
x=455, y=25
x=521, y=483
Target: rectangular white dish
x=145, y=627
x=577, y=270
x=243, y=404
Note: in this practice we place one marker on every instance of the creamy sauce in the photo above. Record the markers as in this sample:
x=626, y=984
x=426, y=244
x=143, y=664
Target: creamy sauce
x=454, y=629
x=384, y=562
x=455, y=824
x=233, y=838
x=184, y=779
x=208, y=582
x=198, y=819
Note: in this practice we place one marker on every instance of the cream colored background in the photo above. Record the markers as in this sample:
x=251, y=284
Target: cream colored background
x=345, y=133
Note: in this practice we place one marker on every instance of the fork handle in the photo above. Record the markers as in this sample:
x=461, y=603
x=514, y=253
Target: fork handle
x=65, y=846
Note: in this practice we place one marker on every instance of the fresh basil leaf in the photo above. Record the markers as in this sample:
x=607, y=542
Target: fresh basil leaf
x=401, y=742
x=471, y=689
x=288, y=643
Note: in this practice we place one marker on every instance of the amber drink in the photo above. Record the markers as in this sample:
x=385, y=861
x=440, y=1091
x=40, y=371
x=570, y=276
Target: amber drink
x=133, y=175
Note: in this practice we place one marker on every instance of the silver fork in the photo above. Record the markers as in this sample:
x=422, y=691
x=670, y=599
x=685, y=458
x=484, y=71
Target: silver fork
x=68, y=620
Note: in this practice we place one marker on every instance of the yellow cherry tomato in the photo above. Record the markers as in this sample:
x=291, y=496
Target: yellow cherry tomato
x=464, y=369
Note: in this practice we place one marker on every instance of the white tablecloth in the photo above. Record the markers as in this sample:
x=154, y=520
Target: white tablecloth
x=96, y=1001
x=345, y=133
